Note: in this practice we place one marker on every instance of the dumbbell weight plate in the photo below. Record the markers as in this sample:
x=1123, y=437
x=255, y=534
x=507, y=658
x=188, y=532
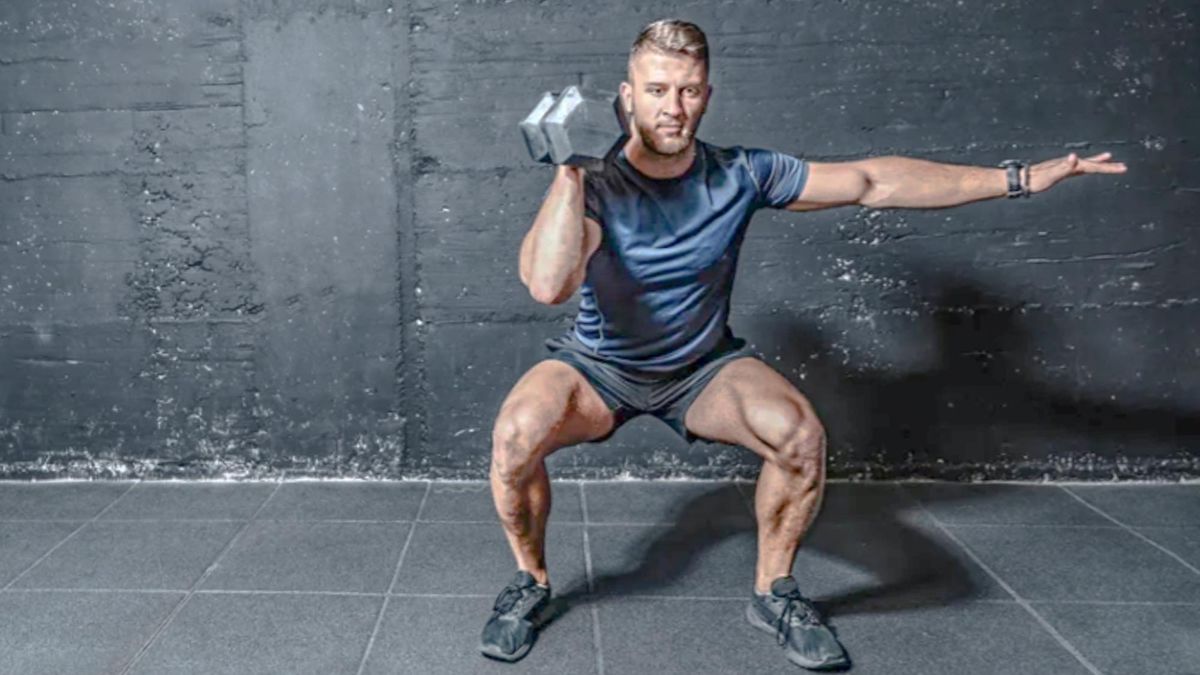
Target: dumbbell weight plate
x=531, y=128
x=582, y=126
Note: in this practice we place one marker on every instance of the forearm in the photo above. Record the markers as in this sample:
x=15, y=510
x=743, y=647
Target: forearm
x=904, y=182
x=553, y=248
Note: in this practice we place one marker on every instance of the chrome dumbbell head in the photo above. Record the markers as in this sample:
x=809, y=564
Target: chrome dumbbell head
x=582, y=125
x=535, y=137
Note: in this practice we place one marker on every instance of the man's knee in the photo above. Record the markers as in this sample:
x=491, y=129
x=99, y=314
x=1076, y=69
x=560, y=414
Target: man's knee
x=802, y=450
x=518, y=438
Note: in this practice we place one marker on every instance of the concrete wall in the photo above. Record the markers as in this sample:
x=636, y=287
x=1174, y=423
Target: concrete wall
x=244, y=237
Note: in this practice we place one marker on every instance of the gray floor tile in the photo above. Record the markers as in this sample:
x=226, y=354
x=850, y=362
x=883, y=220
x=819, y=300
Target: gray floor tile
x=264, y=634
x=473, y=501
x=1145, y=504
x=1079, y=563
x=845, y=502
x=1131, y=639
x=712, y=637
x=664, y=502
x=190, y=501
x=65, y=501
x=151, y=555
x=902, y=562
x=849, y=566
x=1006, y=504
x=991, y=638
x=312, y=556
x=351, y=500
x=684, y=637
x=1182, y=541
x=23, y=543
x=903, y=595
x=470, y=558
x=693, y=559
x=429, y=636
x=78, y=633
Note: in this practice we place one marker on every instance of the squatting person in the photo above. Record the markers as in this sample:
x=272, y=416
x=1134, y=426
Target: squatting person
x=651, y=243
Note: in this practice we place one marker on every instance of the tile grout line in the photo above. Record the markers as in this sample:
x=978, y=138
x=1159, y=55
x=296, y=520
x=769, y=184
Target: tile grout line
x=587, y=561
x=178, y=608
x=625, y=523
x=395, y=575
x=479, y=596
x=67, y=538
x=1062, y=641
x=343, y=521
x=1130, y=530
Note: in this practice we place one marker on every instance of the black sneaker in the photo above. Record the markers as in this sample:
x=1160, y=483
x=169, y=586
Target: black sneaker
x=510, y=633
x=807, y=641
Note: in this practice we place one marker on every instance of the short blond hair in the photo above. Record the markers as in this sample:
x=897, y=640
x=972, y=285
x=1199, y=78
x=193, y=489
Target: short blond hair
x=672, y=36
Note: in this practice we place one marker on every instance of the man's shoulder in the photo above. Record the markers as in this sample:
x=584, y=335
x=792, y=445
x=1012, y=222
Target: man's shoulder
x=726, y=155
x=745, y=162
x=748, y=161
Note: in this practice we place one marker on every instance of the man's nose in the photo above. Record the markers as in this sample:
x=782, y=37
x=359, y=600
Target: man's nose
x=672, y=106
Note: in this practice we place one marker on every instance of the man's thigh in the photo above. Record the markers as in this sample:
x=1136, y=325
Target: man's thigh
x=555, y=406
x=748, y=403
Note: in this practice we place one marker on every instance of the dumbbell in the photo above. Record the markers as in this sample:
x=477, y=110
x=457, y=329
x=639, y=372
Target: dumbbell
x=580, y=127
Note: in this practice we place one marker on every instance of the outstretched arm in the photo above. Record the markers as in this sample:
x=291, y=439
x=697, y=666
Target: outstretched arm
x=903, y=182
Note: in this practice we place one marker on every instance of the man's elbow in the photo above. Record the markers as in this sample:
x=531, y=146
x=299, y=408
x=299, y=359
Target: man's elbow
x=874, y=191
x=539, y=289
x=548, y=293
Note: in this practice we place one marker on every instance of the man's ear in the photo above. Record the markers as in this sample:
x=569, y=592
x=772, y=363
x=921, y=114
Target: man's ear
x=626, y=97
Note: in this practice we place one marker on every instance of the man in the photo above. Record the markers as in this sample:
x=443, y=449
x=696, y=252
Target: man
x=651, y=242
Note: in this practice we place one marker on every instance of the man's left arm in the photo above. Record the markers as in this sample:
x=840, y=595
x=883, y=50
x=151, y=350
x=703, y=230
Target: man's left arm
x=904, y=182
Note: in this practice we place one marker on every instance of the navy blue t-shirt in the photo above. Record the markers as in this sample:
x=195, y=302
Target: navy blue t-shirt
x=656, y=294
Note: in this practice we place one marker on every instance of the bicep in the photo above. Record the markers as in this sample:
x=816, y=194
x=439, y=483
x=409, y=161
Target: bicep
x=831, y=184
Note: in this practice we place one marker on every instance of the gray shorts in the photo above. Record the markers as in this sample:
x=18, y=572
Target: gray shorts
x=629, y=393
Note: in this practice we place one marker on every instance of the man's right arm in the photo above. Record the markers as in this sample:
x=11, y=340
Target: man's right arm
x=557, y=247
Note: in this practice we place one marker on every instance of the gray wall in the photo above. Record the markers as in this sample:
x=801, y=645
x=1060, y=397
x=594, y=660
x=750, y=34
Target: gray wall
x=238, y=238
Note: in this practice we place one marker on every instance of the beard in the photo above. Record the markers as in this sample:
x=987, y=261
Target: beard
x=666, y=144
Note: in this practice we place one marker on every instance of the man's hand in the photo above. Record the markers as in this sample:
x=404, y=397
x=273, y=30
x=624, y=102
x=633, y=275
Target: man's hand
x=1044, y=175
x=575, y=173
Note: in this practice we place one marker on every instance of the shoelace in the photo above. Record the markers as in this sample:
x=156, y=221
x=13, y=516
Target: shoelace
x=511, y=596
x=508, y=599
x=797, y=607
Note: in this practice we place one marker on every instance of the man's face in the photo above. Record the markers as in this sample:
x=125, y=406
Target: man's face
x=667, y=95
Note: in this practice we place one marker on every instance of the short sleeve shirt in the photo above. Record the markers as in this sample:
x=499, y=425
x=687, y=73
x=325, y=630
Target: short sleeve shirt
x=656, y=294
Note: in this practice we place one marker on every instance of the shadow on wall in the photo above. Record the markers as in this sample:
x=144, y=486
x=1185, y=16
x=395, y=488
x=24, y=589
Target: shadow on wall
x=966, y=406
x=979, y=406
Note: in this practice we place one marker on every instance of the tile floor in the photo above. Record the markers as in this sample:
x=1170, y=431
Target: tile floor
x=649, y=577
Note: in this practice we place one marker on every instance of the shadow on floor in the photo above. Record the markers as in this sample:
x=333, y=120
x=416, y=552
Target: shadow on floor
x=915, y=569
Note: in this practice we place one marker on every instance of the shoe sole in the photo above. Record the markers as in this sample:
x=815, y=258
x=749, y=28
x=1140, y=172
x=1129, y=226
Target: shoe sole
x=501, y=656
x=757, y=622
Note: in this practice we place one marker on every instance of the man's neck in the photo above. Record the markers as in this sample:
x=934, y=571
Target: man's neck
x=655, y=165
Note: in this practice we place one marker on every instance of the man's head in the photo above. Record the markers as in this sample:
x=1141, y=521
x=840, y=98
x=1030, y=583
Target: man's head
x=667, y=88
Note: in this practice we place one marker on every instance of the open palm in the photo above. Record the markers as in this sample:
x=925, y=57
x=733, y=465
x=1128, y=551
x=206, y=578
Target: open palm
x=1045, y=174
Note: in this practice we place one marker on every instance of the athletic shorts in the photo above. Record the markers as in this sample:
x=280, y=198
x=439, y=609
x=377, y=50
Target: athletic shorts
x=629, y=393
